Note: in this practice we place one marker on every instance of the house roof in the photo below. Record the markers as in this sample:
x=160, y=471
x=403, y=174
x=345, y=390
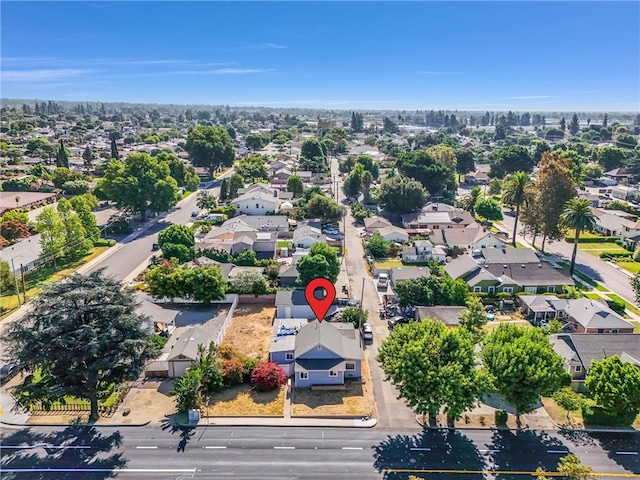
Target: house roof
x=407, y=273
x=262, y=221
x=288, y=272
x=309, y=364
x=530, y=274
x=337, y=340
x=588, y=347
x=447, y=315
x=544, y=303
x=423, y=244
x=187, y=343
x=392, y=230
x=593, y=314
x=463, y=236
x=306, y=232
x=283, y=334
x=510, y=255
x=290, y=298
x=376, y=222
x=461, y=266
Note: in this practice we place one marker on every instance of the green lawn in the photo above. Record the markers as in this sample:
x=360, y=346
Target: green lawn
x=584, y=278
x=284, y=243
x=598, y=248
x=618, y=299
x=387, y=263
x=632, y=267
x=571, y=233
x=593, y=296
x=601, y=288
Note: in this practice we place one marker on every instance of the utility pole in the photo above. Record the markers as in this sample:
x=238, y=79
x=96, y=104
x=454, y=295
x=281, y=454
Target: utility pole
x=13, y=270
x=24, y=288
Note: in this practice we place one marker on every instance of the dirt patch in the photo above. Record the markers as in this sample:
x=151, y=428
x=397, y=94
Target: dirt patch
x=356, y=399
x=243, y=400
x=250, y=330
x=559, y=414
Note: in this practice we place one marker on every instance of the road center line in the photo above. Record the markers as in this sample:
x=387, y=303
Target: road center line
x=351, y=448
x=213, y=446
x=284, y=448
x=626, y=453
x=146, y=448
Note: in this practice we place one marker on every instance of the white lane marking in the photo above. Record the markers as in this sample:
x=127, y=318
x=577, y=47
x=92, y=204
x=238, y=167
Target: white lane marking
x=420, y=449
x=352, y=448
x=626, y=453
x=213, y=446
x=489, y=451
x=284, y=448
x=146, y=448
x=561, y=452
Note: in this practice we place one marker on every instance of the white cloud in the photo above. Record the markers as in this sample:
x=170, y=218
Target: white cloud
x=42, y=75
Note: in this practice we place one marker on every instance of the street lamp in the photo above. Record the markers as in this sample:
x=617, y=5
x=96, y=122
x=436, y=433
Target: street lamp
x=13, y=269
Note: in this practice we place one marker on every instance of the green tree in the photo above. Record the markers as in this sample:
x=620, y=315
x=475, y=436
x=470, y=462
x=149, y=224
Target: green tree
x=224, y=190
x=62, y=157
x=322, y=207
x=249, y=282
x=51, y=229
x=378, y=246
x=355, y=315
x=252, y=168
x=166, y=280
x=434, y=175
x=246, y=258
x=592, y=170
x=210, y=147
x=563, y=124
x=433, y=368
x=517, y=191
x=114, y=149
x=474, y=318
x=141, y=182
x=171, y=239
x=352, y=184
x=615, y=386
x=577, y=216
x=236, y=182
x=88, y=156
x=402, y=195
x=568, y=399
x=574, y=125
x=15, y=214
x=310, y=267
x=495, y=186
x=184, y=174
x=187, y=390
x=62, y=175
x=83, y=205
x=7, y=280
x=524, y=365
x=83, y=334
x=295, y=185
x=611, y=157
x=366, y=180
x=206, y=283
x=465, y=161
x=510, y=159
x=255, y=142
x=205, y=200
x=468, y=202
x=389, y=126
x=572, y=469
x=488, y=208
x=313, y=155
x=76, y=242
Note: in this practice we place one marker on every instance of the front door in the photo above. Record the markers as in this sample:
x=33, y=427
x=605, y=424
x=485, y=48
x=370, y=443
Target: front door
x=491, y=290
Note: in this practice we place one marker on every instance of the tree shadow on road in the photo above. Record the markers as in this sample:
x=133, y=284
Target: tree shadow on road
x=427, y=455
x=15, y=462
x=612, y=443
x=173, y=425
x=523, y=450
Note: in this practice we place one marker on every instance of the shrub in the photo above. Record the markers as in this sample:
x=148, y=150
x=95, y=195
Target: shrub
x=616, y=306
x=501, y=418
x=227, y=352
x=158, y=341
x=232, y=371
x=248, y=364
x=619, y=255
x=267, y=376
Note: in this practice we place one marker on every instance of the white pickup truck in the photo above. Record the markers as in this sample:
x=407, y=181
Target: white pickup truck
x=383, y=281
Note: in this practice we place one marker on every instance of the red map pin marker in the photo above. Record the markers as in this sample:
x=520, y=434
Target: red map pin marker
x=319, y=306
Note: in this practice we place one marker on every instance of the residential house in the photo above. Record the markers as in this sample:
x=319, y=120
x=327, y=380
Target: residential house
x=448, y=315
x=590, y=316
x=579, y=350
x=476, y=178
x=184, y=352
x=610, y=224
x=293, y=304
x=224, y=267
x=257, y=199
x=283, y=342
x=624, y=192
x=467, y=239
x=398, y=274
x=288, y=276
x=393, y=234
x=263, y=243
x=540, y=308
x=436, y=216
x=506, y=255
x=263, y=223
x=620, y=175
x=423, y=251
x=327, y=354
x=593, y=199
x=306, y=235
x=374, y=223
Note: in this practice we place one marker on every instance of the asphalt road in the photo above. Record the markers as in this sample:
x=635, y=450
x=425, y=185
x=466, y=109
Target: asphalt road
x=304, y=453
x=594, y=267
x=132, y=253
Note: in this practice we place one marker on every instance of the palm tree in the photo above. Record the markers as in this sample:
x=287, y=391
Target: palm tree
x=578, y=216
x=469, y=201
x=517, y=190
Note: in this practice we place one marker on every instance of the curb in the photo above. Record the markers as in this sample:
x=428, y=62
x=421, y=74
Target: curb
x=115, y=425
x=372, y=422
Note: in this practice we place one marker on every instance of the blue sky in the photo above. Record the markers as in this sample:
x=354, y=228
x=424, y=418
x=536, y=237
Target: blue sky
x=339, y=55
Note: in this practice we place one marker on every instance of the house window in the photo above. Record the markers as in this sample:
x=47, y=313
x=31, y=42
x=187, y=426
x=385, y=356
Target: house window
x=257, y=205
x=332, y=373
x=615, y=330
x=551, y=289
x=578, y=368
x=288, y=356
x=436, y=227
x=507, y=289
x=601, y=330
x=491, y=290
x=350, y=366
x=477, y=289
x=304, y=375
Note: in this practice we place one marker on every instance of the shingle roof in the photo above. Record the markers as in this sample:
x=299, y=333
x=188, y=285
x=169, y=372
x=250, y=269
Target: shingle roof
x=510, y=255
x=530, y=274
x=341, y=342
x=187, y=343
x=589, y=347
x=461, y=266
x=593, y=314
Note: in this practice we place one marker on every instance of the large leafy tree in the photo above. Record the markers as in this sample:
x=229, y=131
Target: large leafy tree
x=465, y=161
x=510, y=159
x=295, y=185
x=400, y=194
x=433, y=368
x=524, y=365
x=206, y=200
x=253, y=168
x=468, y=202
x=76, y=242
x=517, y=190
x=378, y=246
x=62, y=157
x=210, y=147
x=322, y=261
x=177, y=241
x=322, y=207
x=51, y=229
x=615, y=386
x=488, y=208
x=141, y=182
x=82, y=334
x=571, y=468
x=578, y=216
x=474, y=318
x=434, y=175
x=183, y=173
x=313, y=156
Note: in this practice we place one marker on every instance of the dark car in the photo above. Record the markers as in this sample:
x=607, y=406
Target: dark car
x=392, y=322
x=155, y=247
x=7, y=371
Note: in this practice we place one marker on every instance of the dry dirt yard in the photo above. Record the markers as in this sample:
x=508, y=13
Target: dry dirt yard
x=357, y=399
x=242, y=400
x=250, y=330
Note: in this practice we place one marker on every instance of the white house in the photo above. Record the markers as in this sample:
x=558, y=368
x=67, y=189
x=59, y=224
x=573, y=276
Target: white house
x=257, y=203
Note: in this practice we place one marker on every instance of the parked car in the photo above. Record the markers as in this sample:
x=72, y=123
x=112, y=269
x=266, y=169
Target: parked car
x=392, y=322
x=9, y=370
x=383, y=281
x=367, y=331
x=195, y=213
x=155, y=247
